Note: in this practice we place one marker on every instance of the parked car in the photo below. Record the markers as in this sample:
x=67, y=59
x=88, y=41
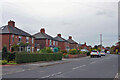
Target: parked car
x=95, y=53
x=108, y=52
x=102, y=53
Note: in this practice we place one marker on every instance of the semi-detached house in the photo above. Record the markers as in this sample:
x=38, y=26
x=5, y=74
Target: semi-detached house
x=72, y=44
x=62, y=43
x=11, y=35
x=43, y=40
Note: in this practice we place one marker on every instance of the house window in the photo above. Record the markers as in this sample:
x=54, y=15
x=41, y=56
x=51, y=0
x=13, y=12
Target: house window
x=46, y=41
x=53, y=42
x=27, y=39
x=56, y=43
x=12, y=38
x=32, y=40
x=50, y=42
x=32, y=49
x=20, y=38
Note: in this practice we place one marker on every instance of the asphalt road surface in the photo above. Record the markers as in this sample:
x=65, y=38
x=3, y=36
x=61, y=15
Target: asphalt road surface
x=104, y=67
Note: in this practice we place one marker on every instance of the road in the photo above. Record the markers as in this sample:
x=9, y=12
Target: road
x=104, y=67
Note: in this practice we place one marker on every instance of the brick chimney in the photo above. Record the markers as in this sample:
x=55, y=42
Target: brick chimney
x=70, y=37
x=59, y=35
x=11, y=23
x=42, y=30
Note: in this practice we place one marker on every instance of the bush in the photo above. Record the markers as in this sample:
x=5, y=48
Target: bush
x=4, y=53
x=46, y=50
x=66, y=56
x=3, y=62
x=26, y=58
x=11, y=56
x=64, y=51
x=73, y=51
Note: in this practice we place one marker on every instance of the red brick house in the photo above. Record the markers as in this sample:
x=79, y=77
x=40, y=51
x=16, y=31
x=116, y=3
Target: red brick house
x=43, y=40
x=84, y=46
x=62, y=43
x=11, y=35
x=72, y=43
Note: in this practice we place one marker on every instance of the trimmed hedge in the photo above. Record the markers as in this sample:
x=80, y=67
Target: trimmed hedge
x=27, y=58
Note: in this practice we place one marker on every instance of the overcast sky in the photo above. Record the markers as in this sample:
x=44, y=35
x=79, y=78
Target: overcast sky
x=85, y=21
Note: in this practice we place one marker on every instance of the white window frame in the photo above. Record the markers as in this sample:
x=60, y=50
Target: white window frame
x=27, y=39
x=13, y=38
x=54, y=42
x=32, y=49
x=32, y=40
x=20, y=38
x=50, y=42
x=46, y=41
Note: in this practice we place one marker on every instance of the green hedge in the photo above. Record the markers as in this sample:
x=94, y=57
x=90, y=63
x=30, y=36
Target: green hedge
x=27, y=58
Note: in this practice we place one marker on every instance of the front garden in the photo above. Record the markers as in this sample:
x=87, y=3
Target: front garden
x=45, y=54
x=74, y=53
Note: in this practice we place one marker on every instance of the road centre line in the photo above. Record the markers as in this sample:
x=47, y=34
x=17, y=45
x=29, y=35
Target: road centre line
x=52, y=75
x=93, y=62
x=78, y=67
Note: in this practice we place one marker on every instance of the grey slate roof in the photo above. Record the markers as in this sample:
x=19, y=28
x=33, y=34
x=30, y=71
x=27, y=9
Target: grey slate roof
x=13, y=30
x=72, y=41
x=60, y=39
x=41, y=35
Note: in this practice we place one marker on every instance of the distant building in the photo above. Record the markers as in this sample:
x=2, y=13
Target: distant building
x=62, y=43
x=11, y=35
x=84, y=46
x=72, y=43
x=43, y=40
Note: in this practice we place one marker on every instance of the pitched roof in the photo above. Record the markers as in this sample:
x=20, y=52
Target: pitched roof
x=72, y=41
x=60, y=39
x=13, y=30
x=41, y=35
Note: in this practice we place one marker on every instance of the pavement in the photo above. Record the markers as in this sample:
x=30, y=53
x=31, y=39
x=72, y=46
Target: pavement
x=86, y=67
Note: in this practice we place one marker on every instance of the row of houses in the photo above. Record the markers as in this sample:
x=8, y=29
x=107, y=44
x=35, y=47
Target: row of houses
x=11, y=36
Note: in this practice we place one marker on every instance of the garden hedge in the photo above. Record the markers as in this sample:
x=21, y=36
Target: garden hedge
x=27, y=58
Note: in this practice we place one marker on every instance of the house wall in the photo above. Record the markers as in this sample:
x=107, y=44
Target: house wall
x=62, y=45
x=41, y=43
x=6, y=39
x=73, y=46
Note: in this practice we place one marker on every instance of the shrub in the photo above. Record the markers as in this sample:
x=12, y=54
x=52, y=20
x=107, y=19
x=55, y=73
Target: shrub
x=4, y=53
x=66, y=56
x=11, y=56
x=64, y=51
x=73, y=51
x=26, y=58
x=46, y=50
x=3, y=62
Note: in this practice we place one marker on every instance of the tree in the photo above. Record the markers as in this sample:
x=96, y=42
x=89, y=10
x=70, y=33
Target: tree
x=4, y=53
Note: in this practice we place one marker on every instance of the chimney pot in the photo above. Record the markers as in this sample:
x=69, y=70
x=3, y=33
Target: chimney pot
x=11, y=23
x=42, y=30
x=59, y=35
x=70, y=37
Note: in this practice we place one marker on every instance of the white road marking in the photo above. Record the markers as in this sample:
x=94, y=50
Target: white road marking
x=78, y=67
x=56, y=74
x=93, y=62
x=52, y=75
x=116, y=76
x=46, y=76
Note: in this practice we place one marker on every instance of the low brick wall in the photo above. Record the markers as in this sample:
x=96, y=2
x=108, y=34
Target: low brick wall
x=77, y=55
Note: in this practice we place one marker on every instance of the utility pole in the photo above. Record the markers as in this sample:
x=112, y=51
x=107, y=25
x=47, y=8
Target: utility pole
x=101, y=40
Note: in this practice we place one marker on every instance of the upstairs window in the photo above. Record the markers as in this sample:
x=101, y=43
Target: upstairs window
x=46, y=41
x=20, y=38
x=27, y=39
x=53, y=42
x=32, y=40
x=12, y=38
x=50, y=42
